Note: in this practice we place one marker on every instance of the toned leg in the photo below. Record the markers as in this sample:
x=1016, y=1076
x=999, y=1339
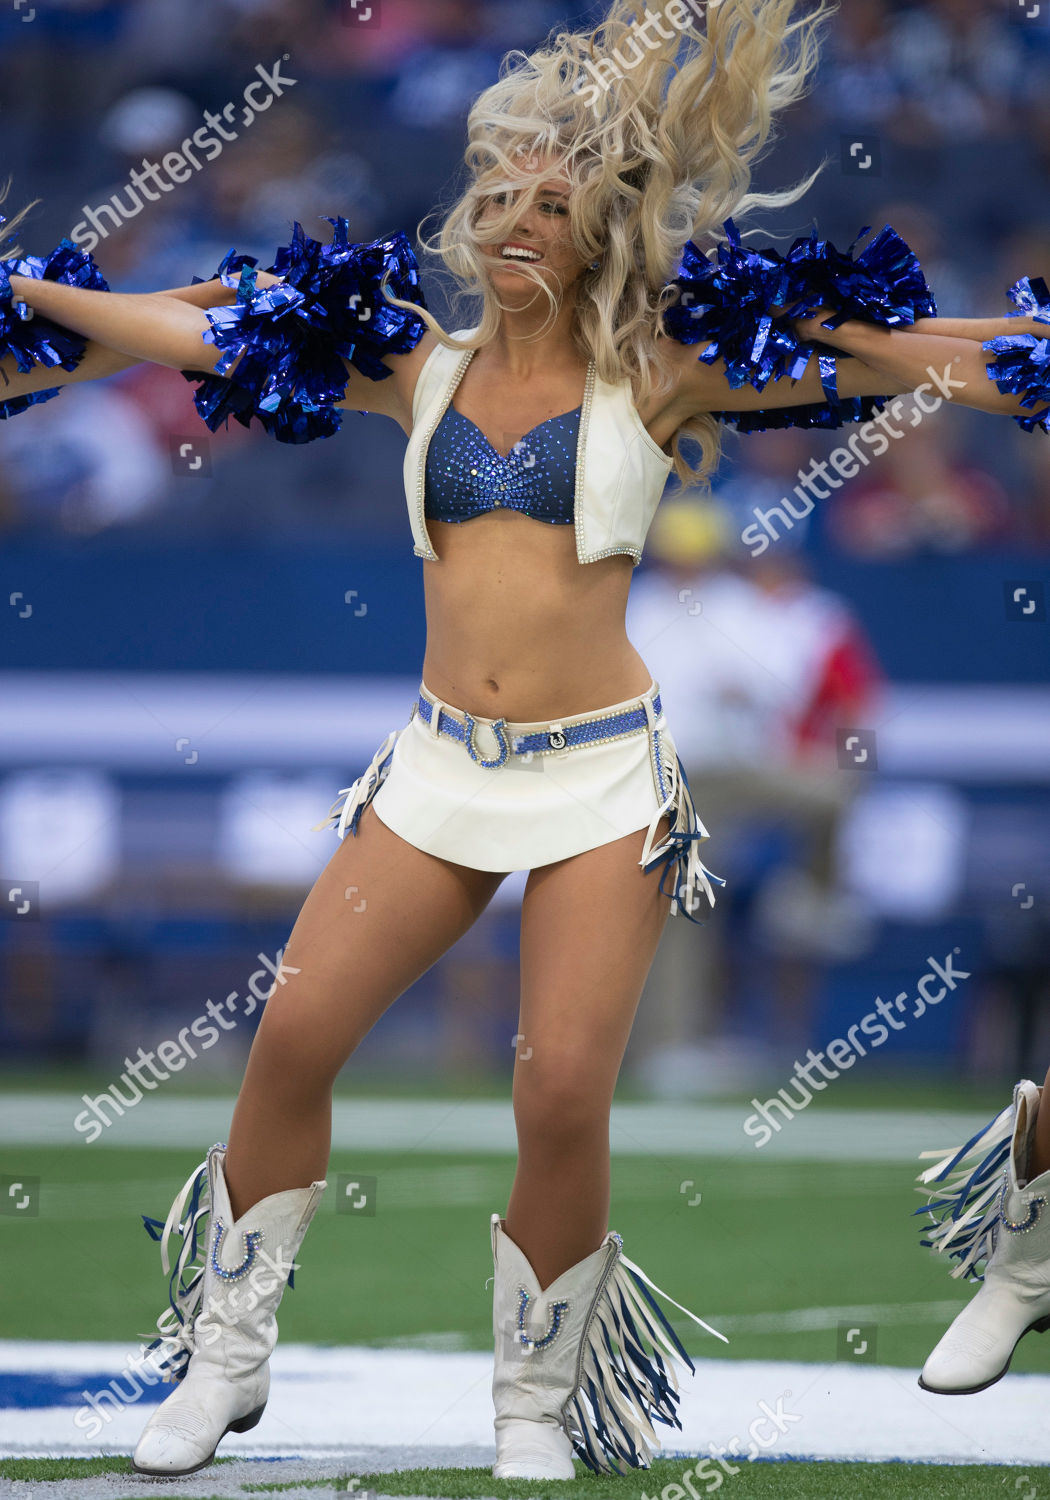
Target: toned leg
x=590, y=927
x=1040, y=1159
x=380, y=914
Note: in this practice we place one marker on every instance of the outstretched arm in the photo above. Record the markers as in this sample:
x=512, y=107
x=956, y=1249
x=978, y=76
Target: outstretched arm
x=980, y=330
x=886, y=362
x=164, y=329
x=168, y=328
x=706, y=388
x=100, y=358
x=955, y=368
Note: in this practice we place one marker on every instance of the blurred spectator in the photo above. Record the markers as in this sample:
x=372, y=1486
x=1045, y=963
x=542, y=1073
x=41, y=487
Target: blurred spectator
x=759, y=670
x=84, y=464
x=861, y=83
x=921, y=496
x=964, y=71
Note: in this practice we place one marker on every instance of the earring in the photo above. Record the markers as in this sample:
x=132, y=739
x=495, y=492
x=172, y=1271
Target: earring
x=595, y=265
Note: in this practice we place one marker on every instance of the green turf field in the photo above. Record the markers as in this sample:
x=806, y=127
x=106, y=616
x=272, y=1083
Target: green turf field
x=759, y=1481
x=773, y=1249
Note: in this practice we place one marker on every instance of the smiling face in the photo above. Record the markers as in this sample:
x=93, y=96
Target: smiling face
x=538, y=234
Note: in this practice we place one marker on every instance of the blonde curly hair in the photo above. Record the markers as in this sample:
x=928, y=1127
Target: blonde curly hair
x=658, y=144
x=9, y=250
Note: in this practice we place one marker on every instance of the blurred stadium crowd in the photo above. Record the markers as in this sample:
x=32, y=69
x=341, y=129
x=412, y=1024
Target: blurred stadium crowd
x=933, y=117
x=948, y=102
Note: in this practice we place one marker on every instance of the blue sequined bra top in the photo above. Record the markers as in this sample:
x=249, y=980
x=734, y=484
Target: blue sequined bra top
x=466, y=476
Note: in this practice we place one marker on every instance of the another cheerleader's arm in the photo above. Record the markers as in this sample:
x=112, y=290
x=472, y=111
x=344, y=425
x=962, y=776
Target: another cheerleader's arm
x=980, y=330
x=955, y=369
x=703, y=388
x=100, y=359
x=884, y=362
x=169, y=330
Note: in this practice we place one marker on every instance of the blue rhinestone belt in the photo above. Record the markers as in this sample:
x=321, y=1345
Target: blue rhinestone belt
x=555, y=737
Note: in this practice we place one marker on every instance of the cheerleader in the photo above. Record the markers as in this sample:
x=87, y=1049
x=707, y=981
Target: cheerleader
x=989, y=1212
x=609, y=350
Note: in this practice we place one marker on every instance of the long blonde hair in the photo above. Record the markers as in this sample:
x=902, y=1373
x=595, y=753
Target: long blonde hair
x=658, y=143
x=9, y=250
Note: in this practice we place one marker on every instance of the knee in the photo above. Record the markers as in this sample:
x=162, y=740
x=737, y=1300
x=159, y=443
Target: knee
x=290, y=1059
x=559, y=1107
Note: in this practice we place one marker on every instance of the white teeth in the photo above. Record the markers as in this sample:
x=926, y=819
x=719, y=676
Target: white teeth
x=516, y=254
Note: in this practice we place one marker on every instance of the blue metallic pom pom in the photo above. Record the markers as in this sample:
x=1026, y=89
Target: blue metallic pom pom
x=1022, y=362
x=744, y=300
x=291, y=339
x=729, y=301
x=34, y=340
x=884, y=284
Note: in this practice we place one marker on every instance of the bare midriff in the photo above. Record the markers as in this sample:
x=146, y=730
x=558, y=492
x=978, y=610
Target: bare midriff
x=518, y=628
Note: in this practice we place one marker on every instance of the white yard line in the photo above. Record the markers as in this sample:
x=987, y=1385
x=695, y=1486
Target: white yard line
x=330, y=1402
x=820, y=1133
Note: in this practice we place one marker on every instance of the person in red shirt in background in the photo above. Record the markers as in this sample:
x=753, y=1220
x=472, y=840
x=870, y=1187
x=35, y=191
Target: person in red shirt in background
x=764, y=672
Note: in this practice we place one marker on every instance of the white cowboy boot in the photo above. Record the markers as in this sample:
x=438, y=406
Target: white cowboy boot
x=557, y=1389
x=222, y=1328
x=992, y=1213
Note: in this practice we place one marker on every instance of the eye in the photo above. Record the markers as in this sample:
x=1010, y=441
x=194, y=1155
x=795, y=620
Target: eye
x=555, y=208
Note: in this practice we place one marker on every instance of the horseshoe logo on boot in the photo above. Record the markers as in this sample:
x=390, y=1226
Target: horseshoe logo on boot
x=252, y=1241
x=555, y=1314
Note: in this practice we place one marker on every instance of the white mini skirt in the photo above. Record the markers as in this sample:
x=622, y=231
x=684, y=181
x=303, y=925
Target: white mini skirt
x=500, y=795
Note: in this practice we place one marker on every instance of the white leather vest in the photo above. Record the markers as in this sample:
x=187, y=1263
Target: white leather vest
x=620, y=471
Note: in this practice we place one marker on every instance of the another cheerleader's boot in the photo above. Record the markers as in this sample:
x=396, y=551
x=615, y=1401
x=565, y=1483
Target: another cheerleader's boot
x=991, y=1212
x=217, y=1339
x=572, y=1372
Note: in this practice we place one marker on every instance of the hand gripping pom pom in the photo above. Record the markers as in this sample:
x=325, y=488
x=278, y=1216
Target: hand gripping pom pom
x=34, y=340
x=291, y=339
x=743, y=303
x=1022, y=362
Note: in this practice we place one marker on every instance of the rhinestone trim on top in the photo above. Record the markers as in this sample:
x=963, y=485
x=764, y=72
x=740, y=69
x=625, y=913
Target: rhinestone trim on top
x=421, y=476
